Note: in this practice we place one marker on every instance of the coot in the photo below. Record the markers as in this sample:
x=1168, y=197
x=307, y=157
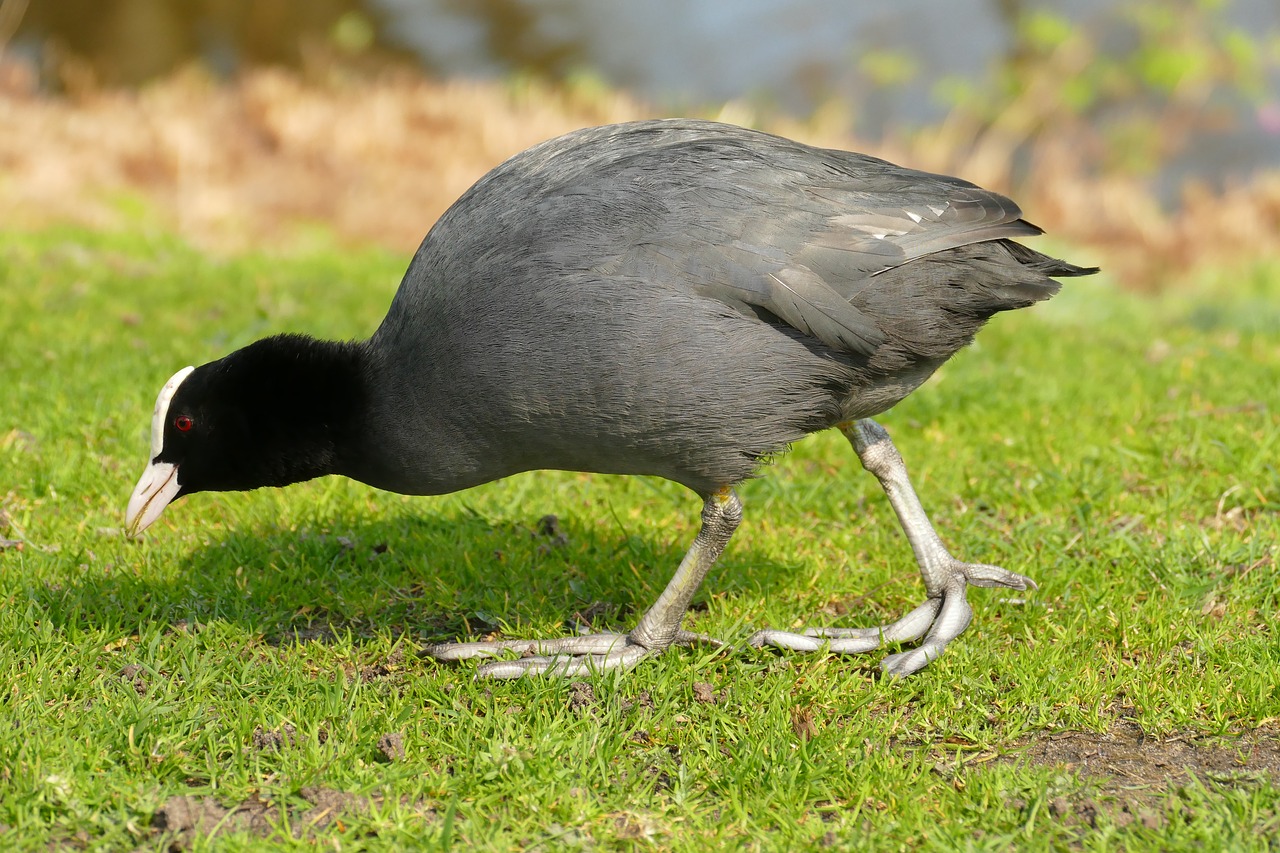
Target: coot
x=676, y=298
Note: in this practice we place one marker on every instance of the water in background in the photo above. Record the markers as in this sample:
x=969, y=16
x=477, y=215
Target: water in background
x=677, y=54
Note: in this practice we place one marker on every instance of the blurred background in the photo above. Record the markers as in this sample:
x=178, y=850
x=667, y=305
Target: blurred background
x=1147, y=130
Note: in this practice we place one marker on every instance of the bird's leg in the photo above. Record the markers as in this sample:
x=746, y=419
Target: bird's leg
x=658, y=629
x=945, y=613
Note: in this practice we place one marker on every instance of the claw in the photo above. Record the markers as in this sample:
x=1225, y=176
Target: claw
x=581, y=644
x=939, y=620
x=581, y=654
x=913, y=660
x=978, y=574
x=565, y=665
x=690, y=639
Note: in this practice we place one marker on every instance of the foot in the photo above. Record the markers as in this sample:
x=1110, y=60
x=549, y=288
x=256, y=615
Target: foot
x=566, y=657
x=658, y=629
x=939, y=620
x=945, y=613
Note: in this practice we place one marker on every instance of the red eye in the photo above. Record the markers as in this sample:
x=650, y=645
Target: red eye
x=182, y=423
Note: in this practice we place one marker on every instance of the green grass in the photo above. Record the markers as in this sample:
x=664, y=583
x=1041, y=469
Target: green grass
x=1121, y=451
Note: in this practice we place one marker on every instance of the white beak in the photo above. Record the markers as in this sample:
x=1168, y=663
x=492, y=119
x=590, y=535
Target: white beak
x=158, y=486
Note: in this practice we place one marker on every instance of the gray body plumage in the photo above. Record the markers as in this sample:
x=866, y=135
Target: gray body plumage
x=678, y=298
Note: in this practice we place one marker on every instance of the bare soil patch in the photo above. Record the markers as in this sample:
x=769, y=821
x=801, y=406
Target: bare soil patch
x=1131, y=776
x=1125, y=757
x=185, y=819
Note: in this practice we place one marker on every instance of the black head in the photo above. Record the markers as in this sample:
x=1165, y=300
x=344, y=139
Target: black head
x=277, y=412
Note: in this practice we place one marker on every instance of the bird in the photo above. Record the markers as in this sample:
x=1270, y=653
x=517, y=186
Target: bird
x=676, y=298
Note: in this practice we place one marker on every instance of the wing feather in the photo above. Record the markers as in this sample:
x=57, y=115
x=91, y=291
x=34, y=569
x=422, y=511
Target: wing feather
x=808, y=303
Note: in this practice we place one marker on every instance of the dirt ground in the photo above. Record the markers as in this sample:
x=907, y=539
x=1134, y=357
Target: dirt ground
x=1128, y=776
x=183, y=820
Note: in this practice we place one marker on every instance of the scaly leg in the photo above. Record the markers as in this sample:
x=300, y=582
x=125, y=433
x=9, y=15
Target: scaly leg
x=945, y=613
x=658, y=629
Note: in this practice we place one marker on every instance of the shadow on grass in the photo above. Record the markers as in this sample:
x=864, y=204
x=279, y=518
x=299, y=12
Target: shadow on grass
x=431, y=577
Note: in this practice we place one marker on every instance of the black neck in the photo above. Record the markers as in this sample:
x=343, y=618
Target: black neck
x=304, y=401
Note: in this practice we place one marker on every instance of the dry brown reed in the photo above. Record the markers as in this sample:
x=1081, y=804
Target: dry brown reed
x=251, y=164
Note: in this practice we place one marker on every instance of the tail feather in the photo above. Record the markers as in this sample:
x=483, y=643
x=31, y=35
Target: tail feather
x=1044, y=264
